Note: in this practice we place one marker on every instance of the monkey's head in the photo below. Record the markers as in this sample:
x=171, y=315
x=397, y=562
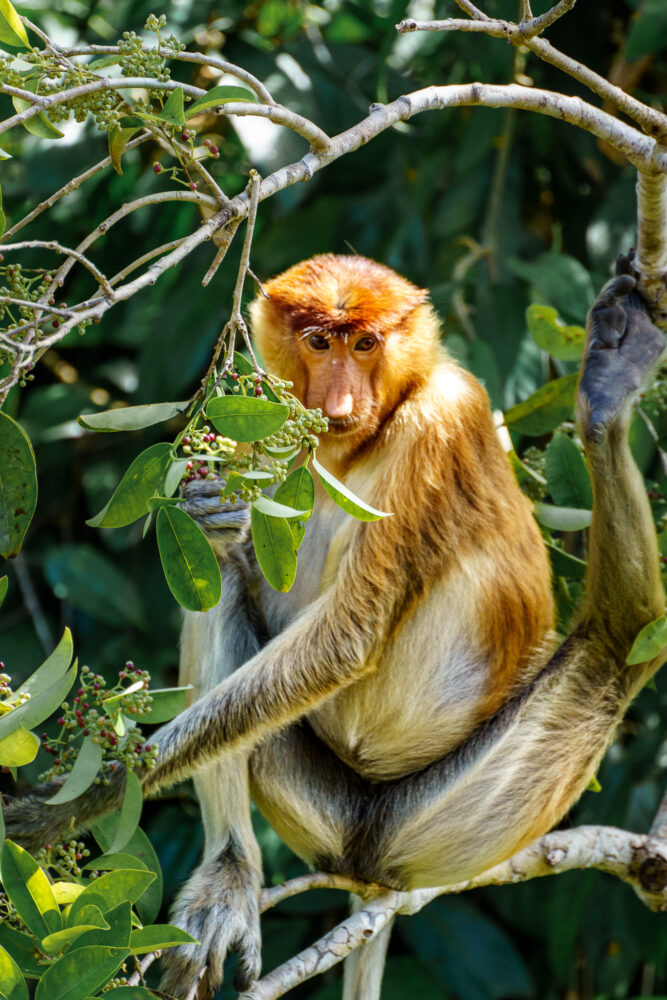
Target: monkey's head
x=353, y=336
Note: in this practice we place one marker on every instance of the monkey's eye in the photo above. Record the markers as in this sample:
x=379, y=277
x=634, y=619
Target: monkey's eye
x=365, y=344
x=318, y=342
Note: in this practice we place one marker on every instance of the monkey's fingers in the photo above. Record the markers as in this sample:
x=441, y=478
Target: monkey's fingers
x=623, y=346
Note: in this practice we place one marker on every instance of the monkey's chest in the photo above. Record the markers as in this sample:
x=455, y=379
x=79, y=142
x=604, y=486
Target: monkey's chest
x=418, y=704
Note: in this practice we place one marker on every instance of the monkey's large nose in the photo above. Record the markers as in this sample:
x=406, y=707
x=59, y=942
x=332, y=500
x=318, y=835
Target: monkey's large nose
x=339, y=402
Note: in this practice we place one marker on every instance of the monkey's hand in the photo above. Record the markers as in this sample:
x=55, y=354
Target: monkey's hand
x=622, y=346
x=225, y=525
x=32, y=823
x=219, y=907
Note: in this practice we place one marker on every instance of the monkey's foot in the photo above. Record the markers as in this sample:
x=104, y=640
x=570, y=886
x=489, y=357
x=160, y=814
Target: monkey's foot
x=218, y=907
x=622, y=347
x=225, y=524
x=32, y=824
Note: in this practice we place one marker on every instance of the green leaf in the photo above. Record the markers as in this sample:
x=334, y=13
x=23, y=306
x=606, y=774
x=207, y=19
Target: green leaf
x=562, y=518
x=553, y=336
x=166, y=704
x=80, y=972
x=117, y=935
x=112, y=862
x=649, y=643
x=130, y=813
x=297, y=492
x=129, y=500
x=12, y=983
x=189, y=563
x=30, y=891
x=53, y=669
x=39, y=707
x=566, y=565
x=22, y=948
x=217, y=96
x=18, y=485
x=102, y=62
x=18, y=748
x=38, y=124
x=12, y=31
x=62, y=939
x=594, y=785
x=118, y=140
x=4, y=155
x=4, y=584
x=265, y=505
x=109, y=890
x=156, y=502
x=148, y=906
x=548, y=407
x=559, y=278
x=173, y=112
x=567, y=476
x=175, y=473
x=130, y=418
x=91, y=916
x=157, y=937
x=3, y=221
x=345, y=499
x=273, y=542
x=246, y=418
x=82, y=775
x=89, y=580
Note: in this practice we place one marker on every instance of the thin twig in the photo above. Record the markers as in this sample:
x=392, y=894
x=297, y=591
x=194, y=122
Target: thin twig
x=223, y=242
x=143, y=966
x=66, y=189
x=536, y=25
x=192, y=57
x=100, y=278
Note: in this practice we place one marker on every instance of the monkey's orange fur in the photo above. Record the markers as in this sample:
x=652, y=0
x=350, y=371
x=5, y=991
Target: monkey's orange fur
x=439, y=466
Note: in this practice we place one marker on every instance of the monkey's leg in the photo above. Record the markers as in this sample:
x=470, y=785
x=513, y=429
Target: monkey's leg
x=316, y=804
x=219, y=903
x=525, y=767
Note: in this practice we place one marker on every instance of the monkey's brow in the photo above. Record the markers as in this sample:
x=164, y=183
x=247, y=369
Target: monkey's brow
x=310, y=330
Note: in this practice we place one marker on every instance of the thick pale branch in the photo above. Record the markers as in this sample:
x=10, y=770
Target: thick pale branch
x=536, y=25
x=638, y=859
x=330, y=949
x=652, y=121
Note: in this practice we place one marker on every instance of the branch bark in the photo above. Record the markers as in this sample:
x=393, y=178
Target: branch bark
x=640, y=860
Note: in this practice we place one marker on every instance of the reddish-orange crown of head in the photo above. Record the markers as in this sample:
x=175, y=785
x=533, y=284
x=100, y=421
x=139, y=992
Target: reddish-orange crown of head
x=339, y=294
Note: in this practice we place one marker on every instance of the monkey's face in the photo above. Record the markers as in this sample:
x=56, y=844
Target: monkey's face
x=341, y=375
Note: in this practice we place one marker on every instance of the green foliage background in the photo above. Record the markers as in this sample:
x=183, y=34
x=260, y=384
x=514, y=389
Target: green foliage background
x=419, y=198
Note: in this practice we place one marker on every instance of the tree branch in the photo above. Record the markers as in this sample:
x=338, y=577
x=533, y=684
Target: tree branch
x=651, y=121
x=638, y=859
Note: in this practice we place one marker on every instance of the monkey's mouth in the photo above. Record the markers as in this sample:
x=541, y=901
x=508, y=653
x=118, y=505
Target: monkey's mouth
x=342, y=425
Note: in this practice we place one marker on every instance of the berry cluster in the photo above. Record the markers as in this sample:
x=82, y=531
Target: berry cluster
x=269, y=456
x=31, y=284
x=8, y=699
x=63, y=860
x=206, y=447
x=107, y=716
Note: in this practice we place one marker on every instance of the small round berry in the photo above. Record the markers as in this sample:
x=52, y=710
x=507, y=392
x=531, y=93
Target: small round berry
x=158, y=168
x=193, y=186
x=185, y=137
